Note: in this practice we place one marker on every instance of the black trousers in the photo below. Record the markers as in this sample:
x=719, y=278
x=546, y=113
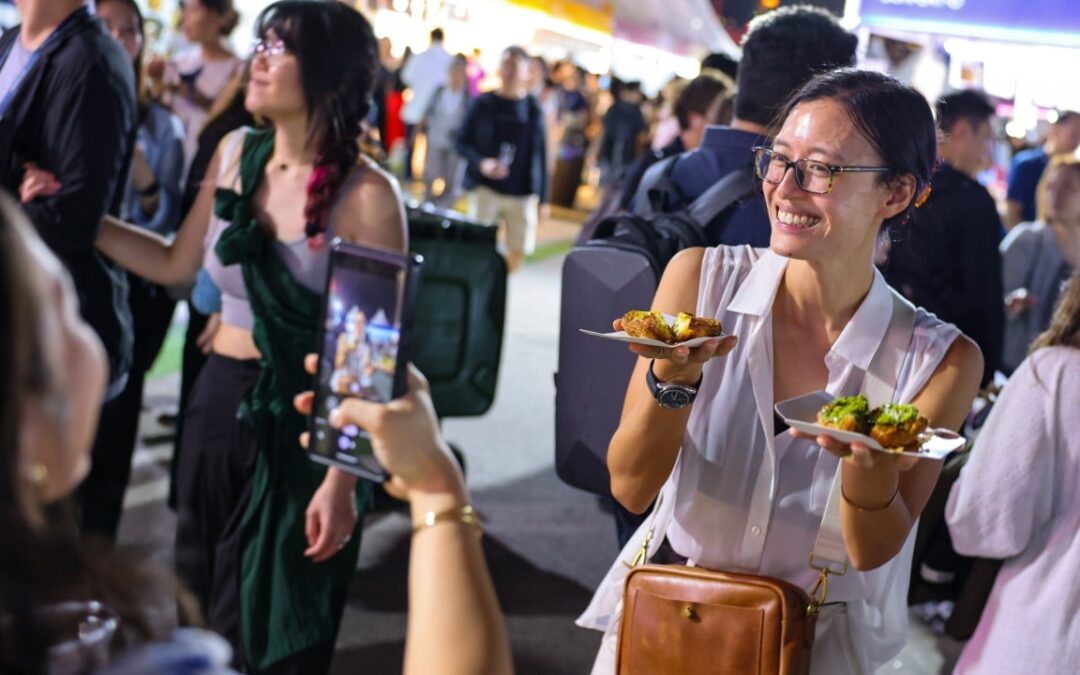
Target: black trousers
x=213, y=488
x=101, y=496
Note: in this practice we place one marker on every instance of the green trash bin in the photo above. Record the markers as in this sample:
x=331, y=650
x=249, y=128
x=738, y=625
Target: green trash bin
x=460, y=309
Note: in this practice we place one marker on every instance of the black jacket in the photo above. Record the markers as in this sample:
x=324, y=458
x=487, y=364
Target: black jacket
x=479, y=139
x=74, y=115
x=947, y=261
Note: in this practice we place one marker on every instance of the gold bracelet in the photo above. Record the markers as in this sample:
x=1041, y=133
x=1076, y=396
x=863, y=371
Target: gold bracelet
x=466, y=515
x=873, y=510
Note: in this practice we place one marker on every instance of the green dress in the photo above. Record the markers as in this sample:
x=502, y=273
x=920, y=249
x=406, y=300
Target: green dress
x=287, y=601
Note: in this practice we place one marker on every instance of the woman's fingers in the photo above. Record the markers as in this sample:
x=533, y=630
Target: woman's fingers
x=303, y=402
x=906, y=461
x=311, y=363
x=683, y=354
x=862, y=456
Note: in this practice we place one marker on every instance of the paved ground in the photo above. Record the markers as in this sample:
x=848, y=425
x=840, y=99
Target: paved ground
x=547, y=544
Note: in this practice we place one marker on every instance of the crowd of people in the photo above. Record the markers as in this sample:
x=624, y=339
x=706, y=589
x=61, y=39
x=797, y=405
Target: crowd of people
x=871, y=257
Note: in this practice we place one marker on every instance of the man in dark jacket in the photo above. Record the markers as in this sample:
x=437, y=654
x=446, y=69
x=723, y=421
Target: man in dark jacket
x=67, y=105
x=946, y=260
x=502, y=141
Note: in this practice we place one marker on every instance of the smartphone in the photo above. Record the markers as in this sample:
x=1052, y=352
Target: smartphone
x=364, y=347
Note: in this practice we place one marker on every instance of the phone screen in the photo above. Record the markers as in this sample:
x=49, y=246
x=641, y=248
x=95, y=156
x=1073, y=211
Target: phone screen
x=361, y=349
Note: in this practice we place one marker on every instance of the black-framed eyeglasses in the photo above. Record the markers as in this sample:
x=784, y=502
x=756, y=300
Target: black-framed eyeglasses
x=810, y=175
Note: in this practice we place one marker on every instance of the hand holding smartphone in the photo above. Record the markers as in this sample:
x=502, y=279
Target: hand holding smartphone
x=364, y=347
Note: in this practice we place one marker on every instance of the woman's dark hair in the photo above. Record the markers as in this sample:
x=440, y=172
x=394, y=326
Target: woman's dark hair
x=43, y=563
x=142, y=91
x=699, y=95
x=226, y=9
x=22, y=374
x=339, y=61
x=894, y=118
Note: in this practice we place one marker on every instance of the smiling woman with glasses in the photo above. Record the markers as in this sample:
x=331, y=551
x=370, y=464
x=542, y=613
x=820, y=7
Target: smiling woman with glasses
x=851, y=153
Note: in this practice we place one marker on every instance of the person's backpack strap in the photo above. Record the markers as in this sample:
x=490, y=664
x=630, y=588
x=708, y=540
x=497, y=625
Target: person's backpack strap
x=724, y=193
x=655, y=185
x=432, y=103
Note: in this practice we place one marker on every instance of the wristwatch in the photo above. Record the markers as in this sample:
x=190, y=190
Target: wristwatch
x=669, y=394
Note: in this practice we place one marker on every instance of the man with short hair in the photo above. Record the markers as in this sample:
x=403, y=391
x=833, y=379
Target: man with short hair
x=946, y=259
x=67, y=105
x=625, y=133
x=502, y=140
x=782, y=50
x=1028, y=166
x=423, y=74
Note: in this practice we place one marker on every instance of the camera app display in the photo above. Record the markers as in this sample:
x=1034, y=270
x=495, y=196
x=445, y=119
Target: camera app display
x=359, y=355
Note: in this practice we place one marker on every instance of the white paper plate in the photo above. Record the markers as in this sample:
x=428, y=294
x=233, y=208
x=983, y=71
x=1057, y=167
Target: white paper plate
x=801, y=413
x=621, y=336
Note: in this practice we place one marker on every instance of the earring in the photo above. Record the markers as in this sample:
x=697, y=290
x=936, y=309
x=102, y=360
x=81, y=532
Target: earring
x=39, y=473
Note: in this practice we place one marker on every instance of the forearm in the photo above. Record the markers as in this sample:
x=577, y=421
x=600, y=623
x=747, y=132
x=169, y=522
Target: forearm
x=341, y=479
x=644, y=448
x=874, y=515
x=1014, y=214
x=144, y=253
x=455, y=625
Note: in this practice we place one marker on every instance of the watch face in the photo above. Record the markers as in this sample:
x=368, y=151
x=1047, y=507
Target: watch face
x=674, y=397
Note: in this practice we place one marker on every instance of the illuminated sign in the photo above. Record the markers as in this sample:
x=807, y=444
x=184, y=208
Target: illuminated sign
x=1035, y=21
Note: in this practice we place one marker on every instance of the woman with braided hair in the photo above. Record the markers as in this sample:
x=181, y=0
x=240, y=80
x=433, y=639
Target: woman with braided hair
x=268, y=540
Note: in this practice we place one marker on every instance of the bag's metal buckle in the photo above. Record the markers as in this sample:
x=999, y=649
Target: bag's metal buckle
x=820, y=590
x=642, y=556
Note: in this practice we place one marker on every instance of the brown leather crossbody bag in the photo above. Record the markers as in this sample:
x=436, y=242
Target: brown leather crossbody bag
x=690, y=620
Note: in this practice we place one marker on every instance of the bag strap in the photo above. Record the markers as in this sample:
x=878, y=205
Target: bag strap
x=655, y=183
x=879, y=385
x=723, y=193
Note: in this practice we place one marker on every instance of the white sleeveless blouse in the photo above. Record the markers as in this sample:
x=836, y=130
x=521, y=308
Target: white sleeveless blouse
x=743, y=499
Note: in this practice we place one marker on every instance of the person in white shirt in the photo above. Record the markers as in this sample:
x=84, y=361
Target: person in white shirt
x=1033, y=267
x=441, y=123
x=191, y=81
x=423, y=74
x=1017, y=500
x=853, y=154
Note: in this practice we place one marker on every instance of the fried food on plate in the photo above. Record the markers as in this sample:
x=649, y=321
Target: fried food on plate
x=897, y=426
x=653, y=325
x=650, y=325
x=687, y=327
x=848, y=413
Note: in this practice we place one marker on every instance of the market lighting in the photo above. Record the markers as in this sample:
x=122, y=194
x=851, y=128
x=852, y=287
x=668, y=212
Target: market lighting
x=1015, y=129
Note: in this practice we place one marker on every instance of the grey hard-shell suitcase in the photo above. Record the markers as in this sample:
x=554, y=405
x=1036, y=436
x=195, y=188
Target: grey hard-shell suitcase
x=618, y=270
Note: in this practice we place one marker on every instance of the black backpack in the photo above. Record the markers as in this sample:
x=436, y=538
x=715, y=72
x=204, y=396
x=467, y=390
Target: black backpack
x=617, y=270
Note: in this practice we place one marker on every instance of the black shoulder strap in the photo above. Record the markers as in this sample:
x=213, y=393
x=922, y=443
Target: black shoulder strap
x=725, y=192
x=433, y=101
x=654, y=186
